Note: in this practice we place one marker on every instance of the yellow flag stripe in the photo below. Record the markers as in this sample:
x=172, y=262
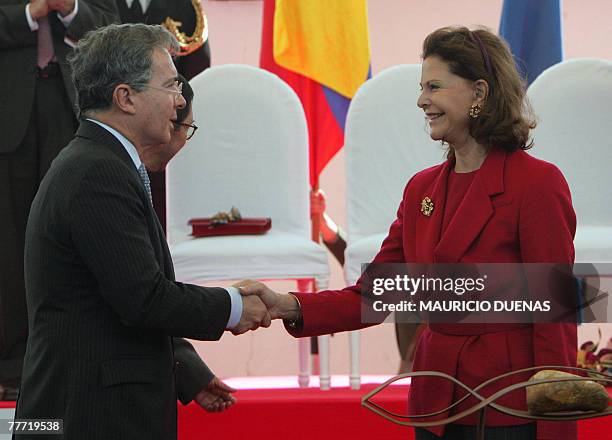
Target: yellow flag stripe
x=325, y=40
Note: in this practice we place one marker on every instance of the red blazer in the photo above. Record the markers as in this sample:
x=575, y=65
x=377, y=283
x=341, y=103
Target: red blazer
x=518, y=209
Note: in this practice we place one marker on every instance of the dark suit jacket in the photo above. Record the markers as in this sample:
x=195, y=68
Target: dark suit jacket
x=18, y=59
x=102, y=302
x=179, y=10
x=518, y=209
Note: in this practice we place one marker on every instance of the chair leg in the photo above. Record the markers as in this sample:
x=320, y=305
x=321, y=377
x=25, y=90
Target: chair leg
x=355, y=376
x=304, y=354
x=309, y=285
x=304, y=345
x=324, y=375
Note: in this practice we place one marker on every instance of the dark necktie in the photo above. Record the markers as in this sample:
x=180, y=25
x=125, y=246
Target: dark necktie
x=137, y=14
x=144, y=176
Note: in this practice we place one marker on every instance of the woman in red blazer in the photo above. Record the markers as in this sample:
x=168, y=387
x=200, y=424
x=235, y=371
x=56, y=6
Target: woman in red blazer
x=490, y=202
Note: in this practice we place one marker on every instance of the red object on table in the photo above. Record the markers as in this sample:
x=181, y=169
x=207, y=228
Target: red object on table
x=203, y=227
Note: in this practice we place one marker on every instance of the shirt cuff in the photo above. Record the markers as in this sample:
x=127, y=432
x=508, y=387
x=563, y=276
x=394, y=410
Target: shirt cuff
x=68, y=18
x=31, y=22
x=236, y=299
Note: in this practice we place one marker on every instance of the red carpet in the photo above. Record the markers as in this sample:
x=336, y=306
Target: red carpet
x=318, y=415
x=315, y=415
x=297, y=414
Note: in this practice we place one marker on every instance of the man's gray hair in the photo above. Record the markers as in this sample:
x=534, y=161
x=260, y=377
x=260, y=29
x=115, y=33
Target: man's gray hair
x=113, y=55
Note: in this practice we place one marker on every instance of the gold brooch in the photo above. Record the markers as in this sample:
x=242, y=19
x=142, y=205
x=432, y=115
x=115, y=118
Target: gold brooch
x=427, y=206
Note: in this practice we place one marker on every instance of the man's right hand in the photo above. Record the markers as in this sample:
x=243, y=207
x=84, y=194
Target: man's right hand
x=38, y=9
x=254, y=315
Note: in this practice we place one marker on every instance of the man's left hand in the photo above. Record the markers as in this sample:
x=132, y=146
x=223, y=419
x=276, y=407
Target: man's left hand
x=216, y=397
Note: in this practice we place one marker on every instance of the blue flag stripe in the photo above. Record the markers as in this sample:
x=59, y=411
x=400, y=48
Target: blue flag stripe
x=533, y=30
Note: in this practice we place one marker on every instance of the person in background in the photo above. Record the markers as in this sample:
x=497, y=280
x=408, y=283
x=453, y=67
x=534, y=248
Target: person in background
x=489, y=202
x=156, y=157
x=37, y=119
x=188, y=65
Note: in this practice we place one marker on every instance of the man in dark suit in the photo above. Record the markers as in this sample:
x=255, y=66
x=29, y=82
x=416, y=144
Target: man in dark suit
x=104, y=308
x=155, y=12
x=37, y=119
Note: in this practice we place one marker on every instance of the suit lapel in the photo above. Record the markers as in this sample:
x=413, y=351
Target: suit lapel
x=475, y=210
x=429, y=227
x=160, y=246
x=58, y=31
x=472, y=215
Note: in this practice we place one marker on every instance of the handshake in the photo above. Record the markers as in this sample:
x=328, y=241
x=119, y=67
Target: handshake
x=260, y=305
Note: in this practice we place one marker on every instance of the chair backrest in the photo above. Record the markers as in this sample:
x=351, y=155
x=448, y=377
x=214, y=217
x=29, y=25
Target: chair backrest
x=386, y=143
x=572, y=103
x=251, y=152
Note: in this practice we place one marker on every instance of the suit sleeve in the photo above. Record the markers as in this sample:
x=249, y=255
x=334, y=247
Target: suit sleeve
x=92, y=14
x=15, y=32
x=547, y=226
x=333, y=311
x=192, y=374
x=109, y=226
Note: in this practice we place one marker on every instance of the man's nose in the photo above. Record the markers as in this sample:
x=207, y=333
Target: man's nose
x=180, y=102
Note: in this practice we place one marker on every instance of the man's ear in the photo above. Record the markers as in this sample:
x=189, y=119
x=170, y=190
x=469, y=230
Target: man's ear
x=481, y=91
x=123, y=98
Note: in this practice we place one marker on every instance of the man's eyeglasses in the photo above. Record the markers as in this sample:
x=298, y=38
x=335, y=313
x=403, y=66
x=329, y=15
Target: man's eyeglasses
x=176, y=88
x=191, y=128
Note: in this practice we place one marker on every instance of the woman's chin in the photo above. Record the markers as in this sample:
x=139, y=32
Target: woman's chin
x=436, y=136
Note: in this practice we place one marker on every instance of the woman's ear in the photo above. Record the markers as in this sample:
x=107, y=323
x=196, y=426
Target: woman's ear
x=481, y=91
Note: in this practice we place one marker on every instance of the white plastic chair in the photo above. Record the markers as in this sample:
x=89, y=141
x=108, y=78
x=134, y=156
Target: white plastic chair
x=251, y=152
x=572, y=103
x=386, y=143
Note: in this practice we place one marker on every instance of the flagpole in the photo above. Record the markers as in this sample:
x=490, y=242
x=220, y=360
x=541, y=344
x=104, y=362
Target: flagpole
x=316, y=237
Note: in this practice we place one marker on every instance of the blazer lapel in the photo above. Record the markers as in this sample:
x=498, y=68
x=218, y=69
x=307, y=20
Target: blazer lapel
x=160, y=245
x=429, y=227
x=474, y=211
